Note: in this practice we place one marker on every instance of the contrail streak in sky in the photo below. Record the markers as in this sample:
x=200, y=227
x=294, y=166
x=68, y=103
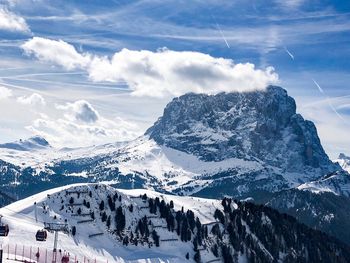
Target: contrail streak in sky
x=289, y=53
x=318, y=86
x=221, y=33
x=328, y=100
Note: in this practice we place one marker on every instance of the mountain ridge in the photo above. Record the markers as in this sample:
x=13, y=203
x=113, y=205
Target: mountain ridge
x=209, y=146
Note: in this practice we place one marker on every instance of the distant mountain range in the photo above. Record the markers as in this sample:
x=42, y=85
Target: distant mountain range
x=242, y=145
x=33, y=143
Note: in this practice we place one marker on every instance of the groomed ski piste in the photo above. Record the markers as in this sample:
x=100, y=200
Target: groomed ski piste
x=93, y=240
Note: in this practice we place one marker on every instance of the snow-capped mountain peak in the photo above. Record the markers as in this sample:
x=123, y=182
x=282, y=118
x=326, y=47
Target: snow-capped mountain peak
x=259, y=125
x=30, y=144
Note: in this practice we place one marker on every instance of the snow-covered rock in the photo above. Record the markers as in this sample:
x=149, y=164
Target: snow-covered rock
x=259, y=125
x=343, y=161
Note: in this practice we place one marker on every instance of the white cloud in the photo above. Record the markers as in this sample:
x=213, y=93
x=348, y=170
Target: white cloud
x=80, y=110
x=82, y=125
x=157, y=74
x=57, y=52
x=167, y=72
x=34, y=99
x=12, y=22
x=5, y=93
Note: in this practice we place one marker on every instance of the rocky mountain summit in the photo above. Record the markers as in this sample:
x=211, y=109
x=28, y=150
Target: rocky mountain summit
x=260, y=125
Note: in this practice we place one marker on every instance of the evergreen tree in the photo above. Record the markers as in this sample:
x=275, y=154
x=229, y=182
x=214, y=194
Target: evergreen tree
x=111, y=203
x=115, y=197
x=102, y=205
x=197, y=257
x=120, y=219
x=220, y=216
x=104, y=217
x=108, y=223
x=126, y=240
x=155, y=237
x=226, y=254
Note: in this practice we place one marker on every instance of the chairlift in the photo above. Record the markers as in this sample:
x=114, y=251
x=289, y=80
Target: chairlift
x=4, y=230
x=41, y=235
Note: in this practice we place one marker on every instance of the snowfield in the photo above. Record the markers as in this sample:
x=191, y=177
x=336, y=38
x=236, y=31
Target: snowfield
x=20, y=216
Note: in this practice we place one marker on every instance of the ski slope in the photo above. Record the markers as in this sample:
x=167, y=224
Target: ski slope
x=20, y=216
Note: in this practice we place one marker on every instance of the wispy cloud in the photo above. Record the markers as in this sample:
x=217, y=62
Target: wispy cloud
x=290, y=4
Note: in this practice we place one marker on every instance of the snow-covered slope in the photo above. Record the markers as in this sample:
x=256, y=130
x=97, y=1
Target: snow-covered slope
x=31, y=144
x=20, y=216
x=105, y=224
x=337, y=183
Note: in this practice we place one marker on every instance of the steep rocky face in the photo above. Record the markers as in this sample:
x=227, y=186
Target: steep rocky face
x=259, y=125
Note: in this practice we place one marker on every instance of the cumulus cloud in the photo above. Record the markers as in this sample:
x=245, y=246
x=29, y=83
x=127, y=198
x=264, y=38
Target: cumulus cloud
x=34, y=99
x=80, y=110
x=57, y=52
x=81, y=125
x=161, y=73
x=5, y=93
x=12, y=22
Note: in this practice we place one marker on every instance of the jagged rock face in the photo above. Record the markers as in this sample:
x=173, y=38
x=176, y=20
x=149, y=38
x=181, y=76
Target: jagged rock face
x=260, y=124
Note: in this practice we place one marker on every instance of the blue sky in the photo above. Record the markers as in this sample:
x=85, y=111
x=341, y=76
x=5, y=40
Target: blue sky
x=70, y=70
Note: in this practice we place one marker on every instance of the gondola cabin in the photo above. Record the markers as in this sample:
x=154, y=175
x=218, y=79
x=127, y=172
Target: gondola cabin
x=4, y=230
x=41, y=235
